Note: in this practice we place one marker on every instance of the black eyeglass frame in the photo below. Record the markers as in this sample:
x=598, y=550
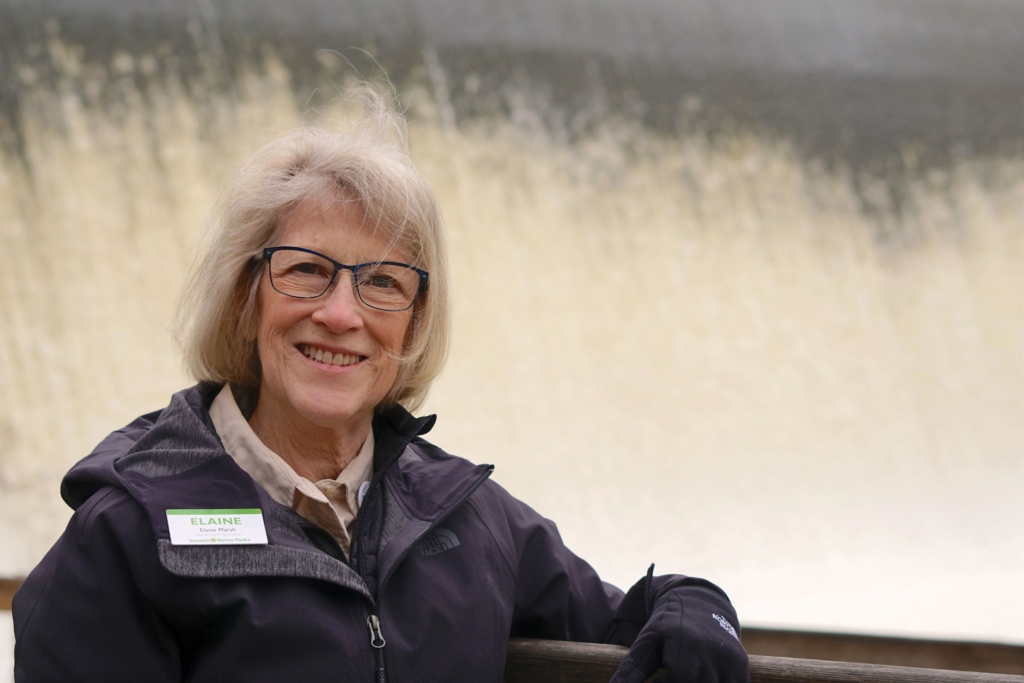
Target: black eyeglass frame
x=421, y=285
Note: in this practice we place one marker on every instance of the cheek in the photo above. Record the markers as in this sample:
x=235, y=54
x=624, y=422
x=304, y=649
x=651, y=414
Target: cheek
x=271, y=331
x=265, y=331
x=394, y=338
x=401, y=336
x=408, y=334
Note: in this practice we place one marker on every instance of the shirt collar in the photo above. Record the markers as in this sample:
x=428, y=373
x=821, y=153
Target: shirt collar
x=269, y=469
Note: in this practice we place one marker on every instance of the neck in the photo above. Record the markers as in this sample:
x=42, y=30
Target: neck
x=313, y=451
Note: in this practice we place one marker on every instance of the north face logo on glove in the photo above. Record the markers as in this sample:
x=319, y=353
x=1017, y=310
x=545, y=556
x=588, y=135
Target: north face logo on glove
x=436, y=542
x=724, y=623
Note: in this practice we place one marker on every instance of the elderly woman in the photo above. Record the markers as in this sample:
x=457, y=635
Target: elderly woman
x=285, y=519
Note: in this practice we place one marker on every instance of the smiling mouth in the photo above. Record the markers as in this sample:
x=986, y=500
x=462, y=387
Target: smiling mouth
x=327, y=358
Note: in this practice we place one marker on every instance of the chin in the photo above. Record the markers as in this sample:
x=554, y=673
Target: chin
x=327, y=414
x=327, y=407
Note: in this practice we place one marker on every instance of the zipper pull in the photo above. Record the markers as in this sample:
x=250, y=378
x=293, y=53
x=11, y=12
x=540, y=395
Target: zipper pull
x=377, y=641
x=376, y=637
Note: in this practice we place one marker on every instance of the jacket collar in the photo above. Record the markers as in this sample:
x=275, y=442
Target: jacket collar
x=174, y=460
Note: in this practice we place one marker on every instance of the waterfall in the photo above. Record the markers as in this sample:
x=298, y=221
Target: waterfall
x=739, y=287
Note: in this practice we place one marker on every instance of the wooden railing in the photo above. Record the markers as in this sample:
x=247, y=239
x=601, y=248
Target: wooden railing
x=548, y=661
x=870, y=649
x=7, y=588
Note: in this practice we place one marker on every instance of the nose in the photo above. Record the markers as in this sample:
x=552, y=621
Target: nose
x=340, y=308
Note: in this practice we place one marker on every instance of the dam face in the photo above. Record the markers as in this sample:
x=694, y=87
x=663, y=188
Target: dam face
x=738, y=285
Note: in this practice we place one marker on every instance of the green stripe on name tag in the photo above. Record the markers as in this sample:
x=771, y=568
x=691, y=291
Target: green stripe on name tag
x=243, y=511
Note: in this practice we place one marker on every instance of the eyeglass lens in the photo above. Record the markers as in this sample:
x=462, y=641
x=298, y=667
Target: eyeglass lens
x=300, y=274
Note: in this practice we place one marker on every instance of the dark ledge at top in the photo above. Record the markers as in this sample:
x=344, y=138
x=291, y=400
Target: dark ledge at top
x=856, y=82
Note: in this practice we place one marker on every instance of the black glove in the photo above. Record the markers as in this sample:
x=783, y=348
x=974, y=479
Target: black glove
x=691, y=632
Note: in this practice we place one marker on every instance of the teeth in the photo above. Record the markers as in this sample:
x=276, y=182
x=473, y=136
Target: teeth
x=327, y=357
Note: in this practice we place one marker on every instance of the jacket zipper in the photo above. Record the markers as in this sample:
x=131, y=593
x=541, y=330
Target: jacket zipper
x=377, y=642
x=373, y=620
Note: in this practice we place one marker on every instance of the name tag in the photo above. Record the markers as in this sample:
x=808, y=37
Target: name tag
x=217, y=527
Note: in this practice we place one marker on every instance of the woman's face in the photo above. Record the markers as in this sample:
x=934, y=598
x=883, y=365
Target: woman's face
x=297, y=386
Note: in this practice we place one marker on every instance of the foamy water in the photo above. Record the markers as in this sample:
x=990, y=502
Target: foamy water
x=703, y=354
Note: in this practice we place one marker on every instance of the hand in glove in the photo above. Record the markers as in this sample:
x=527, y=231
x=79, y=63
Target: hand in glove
x=691, y=632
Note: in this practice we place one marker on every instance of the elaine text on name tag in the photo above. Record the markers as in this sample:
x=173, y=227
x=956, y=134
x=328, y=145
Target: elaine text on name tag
x=217, y=527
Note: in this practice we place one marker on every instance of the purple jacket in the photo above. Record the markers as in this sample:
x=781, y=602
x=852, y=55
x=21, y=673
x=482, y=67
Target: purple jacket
x=447, y=562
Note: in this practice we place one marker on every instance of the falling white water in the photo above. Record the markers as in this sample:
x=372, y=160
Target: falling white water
x=697, y=353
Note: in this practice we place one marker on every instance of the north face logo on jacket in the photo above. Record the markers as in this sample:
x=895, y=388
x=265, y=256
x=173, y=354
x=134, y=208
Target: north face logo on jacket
x=724, y=623
x=436, y=542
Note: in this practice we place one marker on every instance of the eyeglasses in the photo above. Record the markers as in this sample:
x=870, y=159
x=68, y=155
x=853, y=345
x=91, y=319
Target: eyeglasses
x=307, y=274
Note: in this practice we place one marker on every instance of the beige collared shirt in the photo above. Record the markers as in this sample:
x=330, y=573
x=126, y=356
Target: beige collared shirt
x=329, y=503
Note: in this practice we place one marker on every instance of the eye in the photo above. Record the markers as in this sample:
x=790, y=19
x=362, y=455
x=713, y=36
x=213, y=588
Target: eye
x=309, y=268
x=382, y=281
x=298, y=273
x=388, y=286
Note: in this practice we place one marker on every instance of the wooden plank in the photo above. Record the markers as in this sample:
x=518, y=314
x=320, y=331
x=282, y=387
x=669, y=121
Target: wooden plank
x=785, y=670
x=546, y=661
x=921, y=653
x=7, y=588
x=551, y=661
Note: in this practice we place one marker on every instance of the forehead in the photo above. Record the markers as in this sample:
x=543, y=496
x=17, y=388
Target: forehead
x=337, y=229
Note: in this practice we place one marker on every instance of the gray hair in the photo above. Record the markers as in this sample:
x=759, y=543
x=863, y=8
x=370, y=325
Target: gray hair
x=217, y=314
